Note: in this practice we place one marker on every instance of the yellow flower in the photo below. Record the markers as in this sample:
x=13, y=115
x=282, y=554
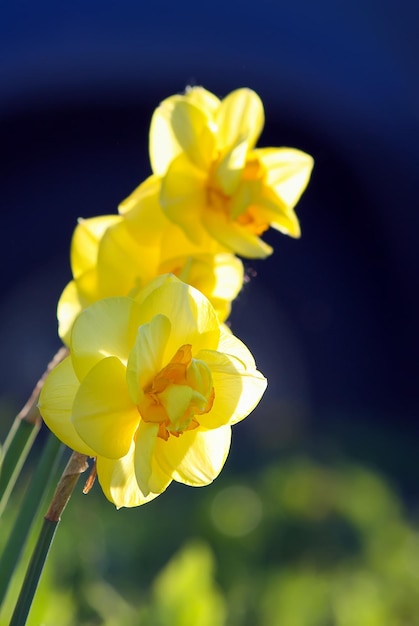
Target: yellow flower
x=214, y=181
x=114, y=255
x=151, y=389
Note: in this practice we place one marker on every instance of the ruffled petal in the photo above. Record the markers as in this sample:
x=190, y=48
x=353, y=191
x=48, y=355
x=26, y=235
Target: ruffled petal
x=103, y=412
x=150, y=477
x=196, y=457
x=106, y=328
x=119, y=483
x=240, y=117
x=56, y=403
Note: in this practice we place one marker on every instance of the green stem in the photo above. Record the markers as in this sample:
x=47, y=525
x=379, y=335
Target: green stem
x=36, y=566
x=35, y=494
x=16, y=449
x=22, y=435
x=76, y=465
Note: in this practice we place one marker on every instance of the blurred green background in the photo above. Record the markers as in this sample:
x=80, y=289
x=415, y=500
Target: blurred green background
x=311, y=533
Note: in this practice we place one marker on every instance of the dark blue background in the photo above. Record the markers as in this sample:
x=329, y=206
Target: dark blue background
x=332, y=318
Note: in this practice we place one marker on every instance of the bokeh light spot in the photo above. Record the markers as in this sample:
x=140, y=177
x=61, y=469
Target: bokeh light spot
x=236, y=510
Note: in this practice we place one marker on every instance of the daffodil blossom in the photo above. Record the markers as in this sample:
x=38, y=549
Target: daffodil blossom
x=151, y=389
x=112, y=255
x=213, y=181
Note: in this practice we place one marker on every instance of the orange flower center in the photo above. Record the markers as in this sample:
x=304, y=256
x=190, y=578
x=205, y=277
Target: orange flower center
x=251, y=216
x=253, y=221
x=217, y=199
x=179, y=392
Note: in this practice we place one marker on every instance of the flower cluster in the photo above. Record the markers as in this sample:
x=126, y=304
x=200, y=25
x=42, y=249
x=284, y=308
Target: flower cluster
x=154, y=380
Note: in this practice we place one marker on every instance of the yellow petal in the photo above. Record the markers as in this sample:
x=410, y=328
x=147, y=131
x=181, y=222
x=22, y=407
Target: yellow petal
x=238, y=385
x=266, y=206
x=230, y=168
x=179, y=126
x=69, y=306
x=56, y=403
x=176, y=244
x=222, y=308
x=240, y=117
x=196, y=457
x=203, y=99
x=123, y=264
x=229, y=274
x=156, y=283
x=118, y=481
x=218, y=276
x=287, y=172
x=193, y=319
x=150, y=477
x=84, y=244
x=231, y=345
x=106, y=328
x=273, y=213
x=146, y=357
x=183, y=197
x=143, y=213
x=237, y=389
x=234, y=236
x=103, y=412
x=87, y=286
x=78, y=295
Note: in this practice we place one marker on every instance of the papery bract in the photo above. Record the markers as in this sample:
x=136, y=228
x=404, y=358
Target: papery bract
x=151, y=389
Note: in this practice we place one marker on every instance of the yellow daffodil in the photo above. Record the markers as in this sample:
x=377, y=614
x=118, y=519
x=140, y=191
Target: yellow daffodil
x=151, y=389
x=115, y=255
x=214, y=181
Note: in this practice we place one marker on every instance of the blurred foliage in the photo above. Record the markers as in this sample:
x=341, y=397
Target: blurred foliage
x=293, y=543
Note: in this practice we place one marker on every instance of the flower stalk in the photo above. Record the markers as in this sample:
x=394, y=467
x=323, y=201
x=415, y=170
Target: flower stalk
x=76, y=466
x=16, y=448
x=45, y=474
